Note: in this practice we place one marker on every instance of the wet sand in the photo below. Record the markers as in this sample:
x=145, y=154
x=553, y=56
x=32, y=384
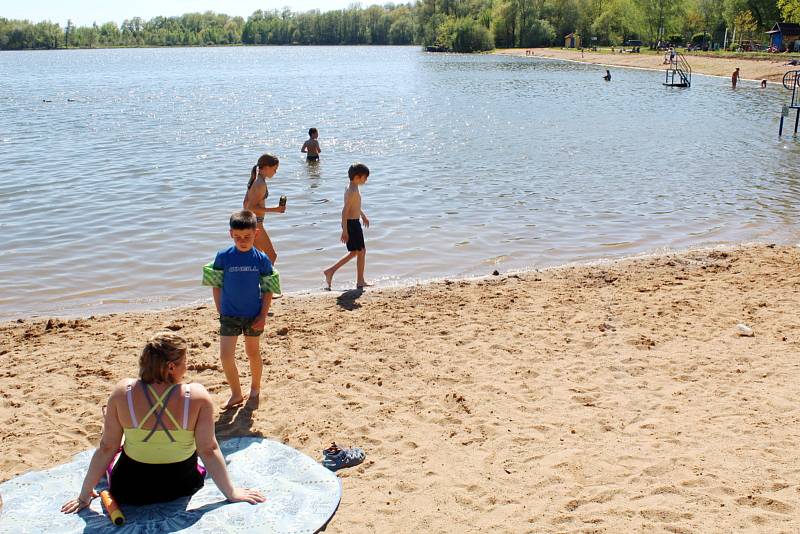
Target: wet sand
x=611, y=398
x=751, y=69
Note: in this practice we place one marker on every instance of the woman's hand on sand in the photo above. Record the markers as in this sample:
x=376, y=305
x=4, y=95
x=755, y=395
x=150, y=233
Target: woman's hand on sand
x=246, y=495
x=81, y=502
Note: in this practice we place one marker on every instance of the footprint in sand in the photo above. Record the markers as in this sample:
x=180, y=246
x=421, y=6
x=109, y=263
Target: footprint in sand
x=765, y=503
x=665, y=516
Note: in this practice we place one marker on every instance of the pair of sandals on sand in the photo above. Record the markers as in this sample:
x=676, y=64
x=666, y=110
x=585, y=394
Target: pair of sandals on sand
x=335, y=458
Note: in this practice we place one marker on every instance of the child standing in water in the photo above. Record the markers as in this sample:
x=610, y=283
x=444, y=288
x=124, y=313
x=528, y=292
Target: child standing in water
x=311, y=147
x=352, y=234
x=254, y=200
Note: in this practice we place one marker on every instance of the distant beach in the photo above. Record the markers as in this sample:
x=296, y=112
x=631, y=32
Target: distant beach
x=752, y=69
x=616, y=397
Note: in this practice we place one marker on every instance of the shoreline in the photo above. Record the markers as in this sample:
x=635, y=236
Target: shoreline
x=147, y=308
x=751, y=69
x=617, y=395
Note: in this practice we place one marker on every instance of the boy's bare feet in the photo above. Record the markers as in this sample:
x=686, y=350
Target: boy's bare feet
x=253, y=400
x=233, y=402
x=362, y=284
x=328, y=278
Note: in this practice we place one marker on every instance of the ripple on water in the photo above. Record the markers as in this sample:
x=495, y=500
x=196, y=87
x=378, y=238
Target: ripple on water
x=477, y=161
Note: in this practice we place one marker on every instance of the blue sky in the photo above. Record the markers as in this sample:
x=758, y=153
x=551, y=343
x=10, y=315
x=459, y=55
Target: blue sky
x=84, y=12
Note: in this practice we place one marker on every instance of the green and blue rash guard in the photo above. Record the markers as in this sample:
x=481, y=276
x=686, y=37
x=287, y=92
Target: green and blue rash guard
x=241, y=282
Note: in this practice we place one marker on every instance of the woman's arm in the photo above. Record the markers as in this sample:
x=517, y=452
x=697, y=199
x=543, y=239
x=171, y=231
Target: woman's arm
x=208, y=450
x=108, y=447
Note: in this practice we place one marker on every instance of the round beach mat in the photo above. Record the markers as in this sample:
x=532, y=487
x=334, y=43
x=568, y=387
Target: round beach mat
x=301, y=497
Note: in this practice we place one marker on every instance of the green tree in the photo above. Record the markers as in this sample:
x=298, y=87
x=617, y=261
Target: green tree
x=660, y=16
x=745, y=25
x=467, y=35
x=68, y=31
x=790, y=9
x=538, y=33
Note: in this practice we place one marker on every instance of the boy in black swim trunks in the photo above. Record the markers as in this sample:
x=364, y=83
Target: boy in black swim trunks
x=311, y=147
x=352, y=235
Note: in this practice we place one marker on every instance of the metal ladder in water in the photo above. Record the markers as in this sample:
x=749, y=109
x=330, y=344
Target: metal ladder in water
x=791, y=81
x=678, y=68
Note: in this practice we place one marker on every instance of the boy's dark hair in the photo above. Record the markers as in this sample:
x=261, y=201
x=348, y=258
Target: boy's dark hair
x=243, y=220
x=357, y=169
x=311, y=131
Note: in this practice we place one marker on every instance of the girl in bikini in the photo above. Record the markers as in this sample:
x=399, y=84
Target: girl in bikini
x=254, y=200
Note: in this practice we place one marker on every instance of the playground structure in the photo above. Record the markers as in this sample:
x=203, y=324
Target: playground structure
x=791, y=81
x=679, y=72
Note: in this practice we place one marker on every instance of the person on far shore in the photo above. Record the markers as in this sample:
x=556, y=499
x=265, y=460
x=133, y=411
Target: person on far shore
x=352, y=234
x=158, y=464
x=735, y=77
x=241, y=305
x=311, y=147
x=254, y=200
x=607, y=77
x=763, y=84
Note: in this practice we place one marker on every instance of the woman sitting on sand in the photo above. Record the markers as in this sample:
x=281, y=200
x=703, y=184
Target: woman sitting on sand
x=166, y=425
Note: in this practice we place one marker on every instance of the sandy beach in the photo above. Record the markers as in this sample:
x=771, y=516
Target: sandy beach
x=751, y=69
x=610, y=398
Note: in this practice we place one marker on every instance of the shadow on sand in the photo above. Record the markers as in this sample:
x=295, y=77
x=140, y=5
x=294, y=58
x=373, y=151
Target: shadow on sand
x=236, y=422
x=347, y=300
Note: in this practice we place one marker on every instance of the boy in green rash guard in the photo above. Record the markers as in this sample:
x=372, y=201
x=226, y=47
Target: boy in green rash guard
x=241, y=305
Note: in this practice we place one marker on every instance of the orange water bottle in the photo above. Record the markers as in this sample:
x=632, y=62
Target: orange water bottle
x=112, y=508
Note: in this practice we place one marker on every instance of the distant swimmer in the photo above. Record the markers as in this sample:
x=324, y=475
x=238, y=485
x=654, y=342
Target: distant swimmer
x=311, y=146
x=763, y=84
x=735, y=77
x=607, y=77
x=71, y=100
x=43, y=100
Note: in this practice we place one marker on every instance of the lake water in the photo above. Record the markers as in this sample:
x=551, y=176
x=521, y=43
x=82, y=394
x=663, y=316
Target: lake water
x=115, y=200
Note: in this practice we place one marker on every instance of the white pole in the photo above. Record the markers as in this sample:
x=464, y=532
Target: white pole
x=725, y=41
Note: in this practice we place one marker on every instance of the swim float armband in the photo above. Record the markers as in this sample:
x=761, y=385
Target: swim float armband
x=270, y=283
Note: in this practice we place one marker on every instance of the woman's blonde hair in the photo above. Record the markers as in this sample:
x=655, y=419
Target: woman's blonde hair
x=162, y=349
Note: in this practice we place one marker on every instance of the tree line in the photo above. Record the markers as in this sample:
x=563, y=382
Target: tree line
x=459, y=25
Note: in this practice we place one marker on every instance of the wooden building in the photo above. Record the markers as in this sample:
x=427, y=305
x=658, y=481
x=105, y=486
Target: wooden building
x=573, y=40
x=784, y=36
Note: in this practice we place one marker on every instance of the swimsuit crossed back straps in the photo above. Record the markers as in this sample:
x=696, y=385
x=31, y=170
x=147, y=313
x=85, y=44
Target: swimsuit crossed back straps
x=159, y=445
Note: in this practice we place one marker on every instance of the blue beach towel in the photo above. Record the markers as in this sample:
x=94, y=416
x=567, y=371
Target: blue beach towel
x=301, y=497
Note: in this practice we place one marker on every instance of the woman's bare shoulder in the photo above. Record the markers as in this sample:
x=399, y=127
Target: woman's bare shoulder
x=198, y=391
x=122, y=386
x=120, y=389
